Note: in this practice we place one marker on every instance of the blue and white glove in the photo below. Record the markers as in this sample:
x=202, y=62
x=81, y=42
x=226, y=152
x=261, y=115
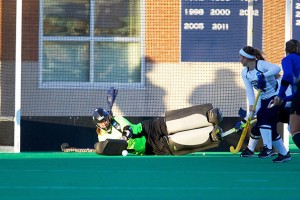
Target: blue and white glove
x=261, y=82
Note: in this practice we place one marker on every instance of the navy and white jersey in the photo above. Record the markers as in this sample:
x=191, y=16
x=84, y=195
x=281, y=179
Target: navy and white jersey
x=269, y=70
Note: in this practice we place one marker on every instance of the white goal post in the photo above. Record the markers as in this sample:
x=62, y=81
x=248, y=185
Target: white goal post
x=17, y=119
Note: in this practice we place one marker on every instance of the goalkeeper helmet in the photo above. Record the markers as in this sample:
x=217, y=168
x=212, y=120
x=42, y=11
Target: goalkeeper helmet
x=100, y=115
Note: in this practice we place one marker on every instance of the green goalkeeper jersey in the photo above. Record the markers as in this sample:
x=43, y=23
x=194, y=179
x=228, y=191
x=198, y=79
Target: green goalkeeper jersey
x=137, y=144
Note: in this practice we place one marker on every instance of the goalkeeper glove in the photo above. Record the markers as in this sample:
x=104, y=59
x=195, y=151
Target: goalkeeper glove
x=127, y=133
x=240, y=125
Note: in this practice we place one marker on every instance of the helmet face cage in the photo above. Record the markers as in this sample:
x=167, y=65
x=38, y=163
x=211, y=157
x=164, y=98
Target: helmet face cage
x=99, y=115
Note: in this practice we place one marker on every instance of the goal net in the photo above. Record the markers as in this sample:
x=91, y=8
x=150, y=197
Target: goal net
x=160, y=55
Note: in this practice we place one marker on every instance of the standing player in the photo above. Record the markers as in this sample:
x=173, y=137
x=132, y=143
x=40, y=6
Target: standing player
x=291, y=77
x=260, y=74
x=181, y=132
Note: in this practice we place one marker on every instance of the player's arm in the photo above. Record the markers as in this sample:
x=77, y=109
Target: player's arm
x=129, y=130
x=270, y=69
x=287, y=79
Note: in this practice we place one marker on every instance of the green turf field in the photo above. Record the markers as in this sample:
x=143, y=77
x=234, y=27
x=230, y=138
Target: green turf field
x=222, y=175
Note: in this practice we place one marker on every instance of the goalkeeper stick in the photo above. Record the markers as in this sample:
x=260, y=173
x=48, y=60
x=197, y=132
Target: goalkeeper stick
x=242, y=113
x=110, y=98
x=246, y=128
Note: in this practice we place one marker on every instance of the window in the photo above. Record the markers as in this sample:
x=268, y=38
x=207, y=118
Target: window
x=86, y=43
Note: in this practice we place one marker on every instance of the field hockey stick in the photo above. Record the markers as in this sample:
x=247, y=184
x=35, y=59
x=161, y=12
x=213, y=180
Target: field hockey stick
x=246, y=128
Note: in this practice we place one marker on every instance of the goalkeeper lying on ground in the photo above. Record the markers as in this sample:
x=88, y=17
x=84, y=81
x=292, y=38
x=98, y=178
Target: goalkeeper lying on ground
x=182, y=131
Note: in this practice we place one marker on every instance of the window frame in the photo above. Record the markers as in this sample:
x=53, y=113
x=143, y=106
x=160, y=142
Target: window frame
x=92, y=40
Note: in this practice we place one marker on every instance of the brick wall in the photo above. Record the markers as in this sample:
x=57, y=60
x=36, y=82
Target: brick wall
x=162, y=30
x=274, y=30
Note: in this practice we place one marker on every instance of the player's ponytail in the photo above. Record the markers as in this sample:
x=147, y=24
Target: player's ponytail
x=253, y=52
x=258, y=55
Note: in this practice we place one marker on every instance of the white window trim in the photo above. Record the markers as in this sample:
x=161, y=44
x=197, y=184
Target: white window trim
x=91, y=39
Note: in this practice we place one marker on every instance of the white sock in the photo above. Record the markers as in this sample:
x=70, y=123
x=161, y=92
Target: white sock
x=266, y=135
x=253, y=142
x=278, y=144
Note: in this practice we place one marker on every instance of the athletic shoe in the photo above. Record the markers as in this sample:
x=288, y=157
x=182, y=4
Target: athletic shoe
x=280, y=158
x=266, y=153
x=247, y=153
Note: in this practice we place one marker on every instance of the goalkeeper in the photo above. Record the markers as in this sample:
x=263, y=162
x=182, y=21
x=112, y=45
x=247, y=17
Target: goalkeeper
x=180, y=132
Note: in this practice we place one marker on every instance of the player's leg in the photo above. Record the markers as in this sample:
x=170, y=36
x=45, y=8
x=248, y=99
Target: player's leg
x=192, y=118
x=295, y=119
x=295, y=128
x=185, y=121
x=253, y=140
x=283, y=154
x=155, y=132
x=277, y=142
x=194, y=140
x=267, y=118
x=284, y=115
